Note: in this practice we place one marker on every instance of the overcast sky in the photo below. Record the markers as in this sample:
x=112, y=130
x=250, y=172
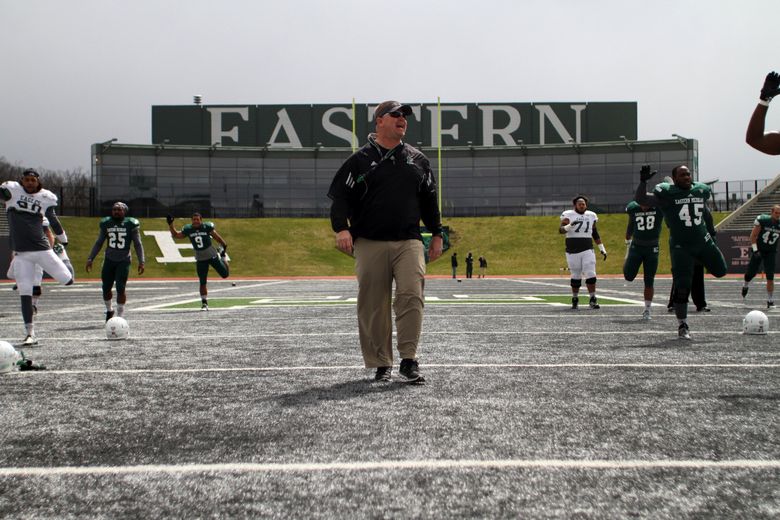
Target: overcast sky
x=79, y=72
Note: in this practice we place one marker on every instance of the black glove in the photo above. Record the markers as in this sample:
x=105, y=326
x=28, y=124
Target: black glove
x=645, y=174
x=169, y=219
x=223, y=253
x=756, y=254
x=27, y=364
x=771, y=86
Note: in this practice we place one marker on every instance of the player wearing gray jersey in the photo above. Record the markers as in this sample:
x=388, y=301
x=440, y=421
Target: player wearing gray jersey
x=27, y=203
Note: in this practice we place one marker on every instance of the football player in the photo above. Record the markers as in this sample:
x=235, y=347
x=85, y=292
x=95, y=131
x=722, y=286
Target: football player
x=768, y=142
x=200, y=234
x=684, y=204
x=642, y=232
x=579, y=226
x=119, y=230
x=27, y=203
x=763, y=245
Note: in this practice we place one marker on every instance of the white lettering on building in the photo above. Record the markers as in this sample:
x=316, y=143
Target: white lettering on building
x=284, y=123
x=216, y=123
x=488, y=131
x=547, y=113
x=332, y=128
x=462, y=110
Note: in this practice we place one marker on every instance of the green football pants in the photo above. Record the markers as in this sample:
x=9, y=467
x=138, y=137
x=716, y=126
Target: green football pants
x=638, y=256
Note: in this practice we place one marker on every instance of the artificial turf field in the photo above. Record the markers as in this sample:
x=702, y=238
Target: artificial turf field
x=260, y=407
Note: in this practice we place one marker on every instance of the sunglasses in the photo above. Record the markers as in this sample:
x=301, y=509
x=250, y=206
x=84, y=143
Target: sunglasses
x=396, y=114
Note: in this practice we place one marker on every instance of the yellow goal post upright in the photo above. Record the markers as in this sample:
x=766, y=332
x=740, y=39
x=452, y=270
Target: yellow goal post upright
x=438, y=151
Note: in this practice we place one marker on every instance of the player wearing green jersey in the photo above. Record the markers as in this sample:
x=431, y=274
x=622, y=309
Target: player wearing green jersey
x=763, y=244
x=642, y=232
x=200, y=234
x=683, y=204
x=119, y=231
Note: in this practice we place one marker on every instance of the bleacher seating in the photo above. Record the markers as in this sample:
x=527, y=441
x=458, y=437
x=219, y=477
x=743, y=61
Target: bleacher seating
x=742, y=218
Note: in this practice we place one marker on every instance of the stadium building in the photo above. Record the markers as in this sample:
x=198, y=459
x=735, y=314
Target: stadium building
x=278, y=160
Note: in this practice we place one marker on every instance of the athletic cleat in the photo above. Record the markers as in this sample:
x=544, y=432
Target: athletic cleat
x=594, y=304
x=109, y=315
x=703, y=309
x=770, y=305
x=744, y=292
x=29, y=341
x=670, y=308
x=646, y=315
x=35, y=309
x=410, y=371
x=204, y=306
x=383, y=374
x=575, y=302
x=683, y=332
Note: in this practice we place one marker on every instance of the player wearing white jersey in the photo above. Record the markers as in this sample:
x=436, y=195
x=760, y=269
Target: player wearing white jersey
x=579, y=226
x=27, y=204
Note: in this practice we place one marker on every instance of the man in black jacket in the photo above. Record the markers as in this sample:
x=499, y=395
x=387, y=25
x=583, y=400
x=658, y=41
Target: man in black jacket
x=379, y=196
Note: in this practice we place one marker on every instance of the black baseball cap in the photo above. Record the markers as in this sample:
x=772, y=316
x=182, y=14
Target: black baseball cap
x=391, y=106
x=30, y=172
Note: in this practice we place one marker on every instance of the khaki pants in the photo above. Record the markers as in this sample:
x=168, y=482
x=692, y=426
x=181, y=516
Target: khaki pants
x=377, y=264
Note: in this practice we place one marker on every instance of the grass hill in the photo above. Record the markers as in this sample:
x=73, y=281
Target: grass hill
x=305, y=247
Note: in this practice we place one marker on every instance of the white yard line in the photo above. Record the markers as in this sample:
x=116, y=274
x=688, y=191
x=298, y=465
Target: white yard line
x=248, y=467
x=746, y=366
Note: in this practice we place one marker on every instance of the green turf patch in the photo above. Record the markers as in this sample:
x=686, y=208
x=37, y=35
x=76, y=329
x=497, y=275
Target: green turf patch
x=545, y=299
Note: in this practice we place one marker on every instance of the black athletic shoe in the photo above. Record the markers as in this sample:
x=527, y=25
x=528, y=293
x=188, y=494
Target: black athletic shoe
x=35, y=309
x=670, y=308
x=744, y=292
x=109, y=315
x=594, y=303
x=383, y=374
x=770, y=305
x=575, y=302
x=410, y=371
x=683, y=332
x=703, y=309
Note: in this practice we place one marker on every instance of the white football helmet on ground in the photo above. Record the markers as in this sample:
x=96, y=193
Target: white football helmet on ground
x=755, y=322
x=117, y=328
x=8, y=357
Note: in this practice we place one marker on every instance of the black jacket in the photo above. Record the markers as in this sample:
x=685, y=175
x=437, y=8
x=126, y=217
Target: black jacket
x=383, y=194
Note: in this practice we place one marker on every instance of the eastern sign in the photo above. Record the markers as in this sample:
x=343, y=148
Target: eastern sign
x=462, y=124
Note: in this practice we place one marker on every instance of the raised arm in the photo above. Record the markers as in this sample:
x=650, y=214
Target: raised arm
x=174, y=233
x=641, y=195
x=756, y=136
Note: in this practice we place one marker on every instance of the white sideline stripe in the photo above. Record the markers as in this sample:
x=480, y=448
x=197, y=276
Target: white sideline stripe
x=432, y=365
x=248, y=467
x=671, y=334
